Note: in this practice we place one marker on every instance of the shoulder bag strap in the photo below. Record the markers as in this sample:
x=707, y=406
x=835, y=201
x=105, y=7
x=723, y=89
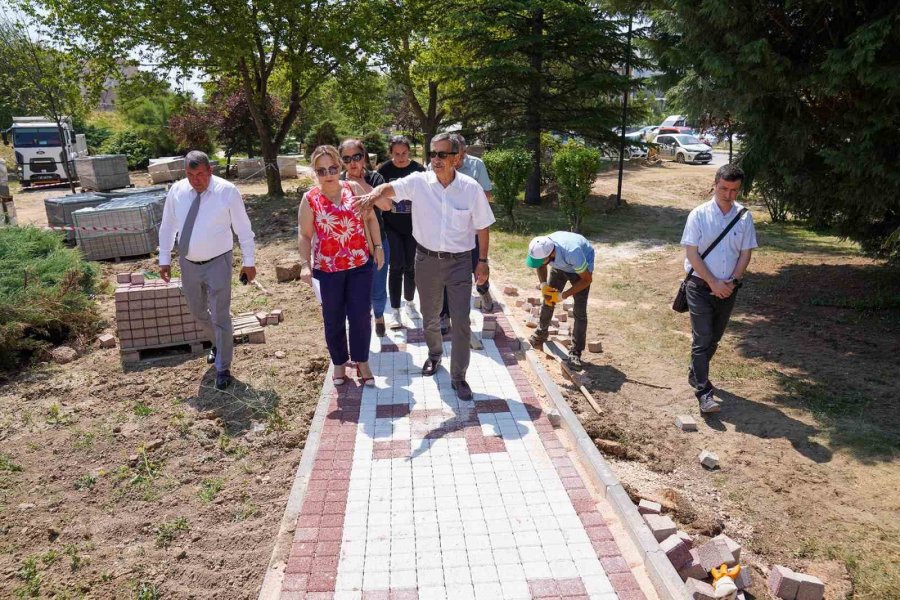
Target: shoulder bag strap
x=718, y=239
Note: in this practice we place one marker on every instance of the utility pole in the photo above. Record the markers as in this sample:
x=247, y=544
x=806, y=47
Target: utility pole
x=624, y=112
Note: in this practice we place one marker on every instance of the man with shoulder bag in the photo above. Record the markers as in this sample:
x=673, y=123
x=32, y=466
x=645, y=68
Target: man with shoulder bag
x=719, y=238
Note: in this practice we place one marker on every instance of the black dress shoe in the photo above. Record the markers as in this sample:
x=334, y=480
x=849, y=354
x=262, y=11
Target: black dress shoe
x=463, y=391
x=380, y=329
x=431, y=366
x=211, y=357
x=223, y=379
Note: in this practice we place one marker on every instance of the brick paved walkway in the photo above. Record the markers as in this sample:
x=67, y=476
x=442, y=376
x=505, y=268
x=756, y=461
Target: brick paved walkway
x=416, y=494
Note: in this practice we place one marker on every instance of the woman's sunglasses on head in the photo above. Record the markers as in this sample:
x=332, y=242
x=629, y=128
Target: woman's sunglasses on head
x=353, y=157
x=322, y=172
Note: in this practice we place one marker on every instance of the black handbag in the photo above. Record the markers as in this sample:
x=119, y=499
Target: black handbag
x=680, y=303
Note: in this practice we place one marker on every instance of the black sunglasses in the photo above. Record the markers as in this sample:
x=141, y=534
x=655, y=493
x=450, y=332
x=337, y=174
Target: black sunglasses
x=441, y=155
x=322, y=172
x=355, y=158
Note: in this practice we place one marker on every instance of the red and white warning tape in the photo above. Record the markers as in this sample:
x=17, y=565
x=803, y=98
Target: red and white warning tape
x=75, y=228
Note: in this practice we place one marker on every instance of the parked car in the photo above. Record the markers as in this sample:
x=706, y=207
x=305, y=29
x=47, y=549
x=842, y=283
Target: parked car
x=674, y=121
x=673, y=129
x=683, y=148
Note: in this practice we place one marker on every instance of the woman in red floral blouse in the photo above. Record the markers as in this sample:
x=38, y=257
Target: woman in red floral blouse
x=332, y=240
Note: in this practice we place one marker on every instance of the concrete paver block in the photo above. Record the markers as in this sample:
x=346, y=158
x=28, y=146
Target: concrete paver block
x=686, y=423
x=532, y=323
x=520, y=303
x=715, y=553
x=811, y=588
x=693, y=568
x=709, y=459
x=744, y=579
x=123, y=277
x=137, y=279
x=107, y=340
x=649, y=507
x=677, y=551
x=733, y=546
x=699, y=590
x=662, y=527
x=596, y=346
x=563, y=317
x=278, y=312
x=686, y=537
x=511, y=291
x=783, y=583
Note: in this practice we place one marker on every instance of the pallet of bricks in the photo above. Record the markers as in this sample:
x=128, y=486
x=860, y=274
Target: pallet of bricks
x=60, y=210
x=119, y=228
x=153, y=314
x=103, y=172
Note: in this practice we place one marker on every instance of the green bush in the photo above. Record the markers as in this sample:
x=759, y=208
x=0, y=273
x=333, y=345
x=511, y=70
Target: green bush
x=375, y=144
x=575, y=168
x=46, y=293
x=508, y=170
x=325, y=133
x=550, y=145
x=129, y=143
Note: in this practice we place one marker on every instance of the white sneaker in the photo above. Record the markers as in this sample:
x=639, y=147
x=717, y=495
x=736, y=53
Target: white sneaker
x=411, y=311
x=393, y=319
x=708, y=403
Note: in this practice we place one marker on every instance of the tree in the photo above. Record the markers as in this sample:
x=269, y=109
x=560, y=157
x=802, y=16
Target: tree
x=229, y=114
x=191, y=129
x=304, y=40
x=814, y=89
x=539, y=65
x=576, y=168
x=39, y=79
x=148, y=104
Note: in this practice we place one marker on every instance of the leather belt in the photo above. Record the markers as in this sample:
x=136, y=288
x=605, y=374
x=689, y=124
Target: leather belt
x=699, y=281
x=203, y=262
x=425, y=250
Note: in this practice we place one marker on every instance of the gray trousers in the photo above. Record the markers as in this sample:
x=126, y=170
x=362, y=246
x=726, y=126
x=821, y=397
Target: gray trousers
x=709, y=318
x=557, y=279
x=432, y=275
x=207, y=289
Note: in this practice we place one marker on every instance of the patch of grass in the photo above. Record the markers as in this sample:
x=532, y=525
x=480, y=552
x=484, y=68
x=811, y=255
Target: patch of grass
x=209, y=488
x=83, y=440
x=181, y=422
x=85, y=482
x=49, y=557
x=6, y=464
x=231, y=449
x=167, y=532
x=247, y=510
x=55, y=416
x=142, y=410
x=76, y=561
x=31, y=579
x=145, y=590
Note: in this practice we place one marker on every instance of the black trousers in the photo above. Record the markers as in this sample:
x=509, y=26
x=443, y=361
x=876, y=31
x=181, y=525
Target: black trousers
x=557, y=279
x=709, y=318
x=402, y=273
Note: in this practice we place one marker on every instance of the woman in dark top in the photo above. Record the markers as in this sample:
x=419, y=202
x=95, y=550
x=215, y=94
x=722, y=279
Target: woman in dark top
x=398, y=226
x=354, y=157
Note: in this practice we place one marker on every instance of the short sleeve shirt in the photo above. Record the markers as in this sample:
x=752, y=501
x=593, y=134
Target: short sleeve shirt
x=574, y=254
x=705, y=223
x=445, y=219
x=474, y=168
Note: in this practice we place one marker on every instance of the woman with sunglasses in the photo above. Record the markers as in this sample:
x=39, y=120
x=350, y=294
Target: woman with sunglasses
x=353, y=155
x=398, y=226
x=340, y=261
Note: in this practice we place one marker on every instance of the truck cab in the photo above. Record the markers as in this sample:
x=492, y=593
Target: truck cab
x=38, y=148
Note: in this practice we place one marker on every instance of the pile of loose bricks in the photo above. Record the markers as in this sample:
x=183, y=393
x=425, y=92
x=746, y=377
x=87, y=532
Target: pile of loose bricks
x=559, y=329
x=153, y=314
x=695, y=564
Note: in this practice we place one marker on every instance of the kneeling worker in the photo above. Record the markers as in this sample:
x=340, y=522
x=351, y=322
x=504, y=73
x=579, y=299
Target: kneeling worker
x=571, y=258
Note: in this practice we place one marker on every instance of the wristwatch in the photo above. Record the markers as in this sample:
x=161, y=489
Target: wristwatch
x=737, y=283
x=483, y=260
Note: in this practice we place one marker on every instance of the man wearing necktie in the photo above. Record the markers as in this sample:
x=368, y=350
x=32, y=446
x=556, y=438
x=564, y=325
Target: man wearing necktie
x=202, y=211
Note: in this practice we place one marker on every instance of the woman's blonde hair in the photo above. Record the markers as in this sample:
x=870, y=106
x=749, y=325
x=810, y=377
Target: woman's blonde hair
x=329, y=151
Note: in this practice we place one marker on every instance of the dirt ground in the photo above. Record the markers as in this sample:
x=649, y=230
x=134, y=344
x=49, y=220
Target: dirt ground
x=808, y=434
x=146, y=483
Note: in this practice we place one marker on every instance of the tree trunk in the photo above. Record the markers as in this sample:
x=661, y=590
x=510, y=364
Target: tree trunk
x=533, y=111
x=270, y=163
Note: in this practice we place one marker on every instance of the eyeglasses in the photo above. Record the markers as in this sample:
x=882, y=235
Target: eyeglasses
x=441, y=155
x=322, y=172
x=355, y=158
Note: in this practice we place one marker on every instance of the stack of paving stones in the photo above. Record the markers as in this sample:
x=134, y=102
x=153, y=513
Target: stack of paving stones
x=60, y=210
x=133, y=222
x=153, y=314
x=789, y=585
x=126, y=192
x=103, y=172
x=166, y=168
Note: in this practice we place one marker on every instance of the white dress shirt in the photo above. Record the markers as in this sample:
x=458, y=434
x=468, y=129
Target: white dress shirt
x=704, y=225
x=221, y=211
x=445, y=219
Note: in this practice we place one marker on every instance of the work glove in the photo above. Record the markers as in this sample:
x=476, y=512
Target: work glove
x=551, y=295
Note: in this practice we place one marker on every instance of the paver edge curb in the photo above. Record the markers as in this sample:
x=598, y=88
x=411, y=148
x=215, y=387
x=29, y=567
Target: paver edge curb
x=271, y=584
x=665, y=578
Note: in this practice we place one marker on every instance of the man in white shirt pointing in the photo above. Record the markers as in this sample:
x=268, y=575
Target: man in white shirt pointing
x=712, y=288
x=203, y=211
x=448, y=210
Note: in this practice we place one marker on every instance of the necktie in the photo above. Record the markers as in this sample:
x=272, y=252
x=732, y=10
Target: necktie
x=184, y=238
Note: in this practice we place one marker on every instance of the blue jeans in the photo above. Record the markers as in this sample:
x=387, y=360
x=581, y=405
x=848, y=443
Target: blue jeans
x=379, y=281
x=346, y=298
